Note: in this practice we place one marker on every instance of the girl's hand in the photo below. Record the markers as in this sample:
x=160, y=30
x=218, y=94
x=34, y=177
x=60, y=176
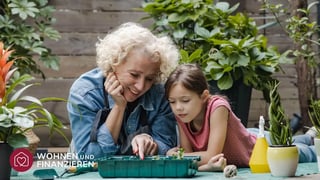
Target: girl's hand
x=173, y=151
x=143, y=144
x=216, y=163
x=115, y=89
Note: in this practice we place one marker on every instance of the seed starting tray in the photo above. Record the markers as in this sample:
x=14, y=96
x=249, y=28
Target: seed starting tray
x=151, y=166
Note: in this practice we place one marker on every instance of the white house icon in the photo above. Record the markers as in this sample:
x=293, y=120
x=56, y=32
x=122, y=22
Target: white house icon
x=21, y=160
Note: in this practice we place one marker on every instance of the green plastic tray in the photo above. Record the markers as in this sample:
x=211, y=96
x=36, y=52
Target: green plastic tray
x=151, y=166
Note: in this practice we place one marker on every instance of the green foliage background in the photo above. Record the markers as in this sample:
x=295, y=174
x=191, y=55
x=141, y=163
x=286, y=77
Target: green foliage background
x=24, y=25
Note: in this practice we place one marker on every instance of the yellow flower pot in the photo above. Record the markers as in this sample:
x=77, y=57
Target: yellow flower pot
x=283, y=160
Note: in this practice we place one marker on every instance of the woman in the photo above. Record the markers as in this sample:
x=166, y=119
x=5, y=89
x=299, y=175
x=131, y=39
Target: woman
x=132, y=63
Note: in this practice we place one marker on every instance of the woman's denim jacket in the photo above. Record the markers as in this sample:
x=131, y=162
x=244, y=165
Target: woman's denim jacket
x=86, y=98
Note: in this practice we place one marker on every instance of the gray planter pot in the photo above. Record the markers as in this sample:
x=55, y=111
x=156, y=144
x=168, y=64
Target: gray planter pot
x=5, y=152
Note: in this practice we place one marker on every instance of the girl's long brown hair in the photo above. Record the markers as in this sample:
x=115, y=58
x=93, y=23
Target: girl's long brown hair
x=190, y=76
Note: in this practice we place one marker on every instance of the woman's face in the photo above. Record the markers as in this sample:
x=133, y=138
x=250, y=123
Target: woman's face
x=136, y=74
x=185, y=104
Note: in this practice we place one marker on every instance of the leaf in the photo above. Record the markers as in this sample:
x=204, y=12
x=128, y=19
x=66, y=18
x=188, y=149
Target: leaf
x=5, y=122
x=4, y=57
x=20, y=80
x=184, y=56
x=52, y=99
x=224, y=6
x=48, y=117
x=31, y=99
x=203, y=32
x=243, y=60
x=23, y=8
x=312, y=4
x=195, y=55
x=174, y=17
x=5, y=69
x=51, y=62
x=19, y=92
x=18, y=140
x=9, y=74
x=233, y=8
x=267, y=25
x=51, y=33
x=267, y=68
x=179, y=34
x=212, y=65
x=216, y=75
x=2, y=89
x=225, y=82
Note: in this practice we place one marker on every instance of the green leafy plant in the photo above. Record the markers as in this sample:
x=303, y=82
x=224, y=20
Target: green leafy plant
x=25, y=24
x=225, y=44
x=314, y=114
x=19, y=112
x=280, y=129
x=302, y=29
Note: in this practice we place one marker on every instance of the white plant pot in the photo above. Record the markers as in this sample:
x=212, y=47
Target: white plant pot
x=317, y=148
x=283, y=161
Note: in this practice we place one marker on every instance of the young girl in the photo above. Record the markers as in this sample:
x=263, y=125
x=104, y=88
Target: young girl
x=206, y=123
x=209, y=128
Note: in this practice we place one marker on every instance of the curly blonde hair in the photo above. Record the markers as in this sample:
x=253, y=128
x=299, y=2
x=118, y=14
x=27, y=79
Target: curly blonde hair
x=115, y=47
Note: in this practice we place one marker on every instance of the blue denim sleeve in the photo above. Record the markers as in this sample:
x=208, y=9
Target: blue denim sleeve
x=163, y=127
x=163, y=132
x=81, y=124
x=83, y=105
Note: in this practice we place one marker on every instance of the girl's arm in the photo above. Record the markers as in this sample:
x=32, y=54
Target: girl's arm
x=218, y=132
x=184, y=142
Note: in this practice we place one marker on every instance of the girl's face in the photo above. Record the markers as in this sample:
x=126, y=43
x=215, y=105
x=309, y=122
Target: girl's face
x=136, y=74
x=185, y=104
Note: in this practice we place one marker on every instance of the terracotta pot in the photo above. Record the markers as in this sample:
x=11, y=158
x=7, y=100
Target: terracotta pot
x=5, y=152
x=283, y=160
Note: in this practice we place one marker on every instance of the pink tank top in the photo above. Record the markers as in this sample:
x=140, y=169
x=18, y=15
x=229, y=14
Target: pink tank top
x=239, y=142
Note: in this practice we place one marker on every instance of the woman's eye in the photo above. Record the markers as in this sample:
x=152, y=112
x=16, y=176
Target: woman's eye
x=185, y=100
x=134, y=75
x=150, y=79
